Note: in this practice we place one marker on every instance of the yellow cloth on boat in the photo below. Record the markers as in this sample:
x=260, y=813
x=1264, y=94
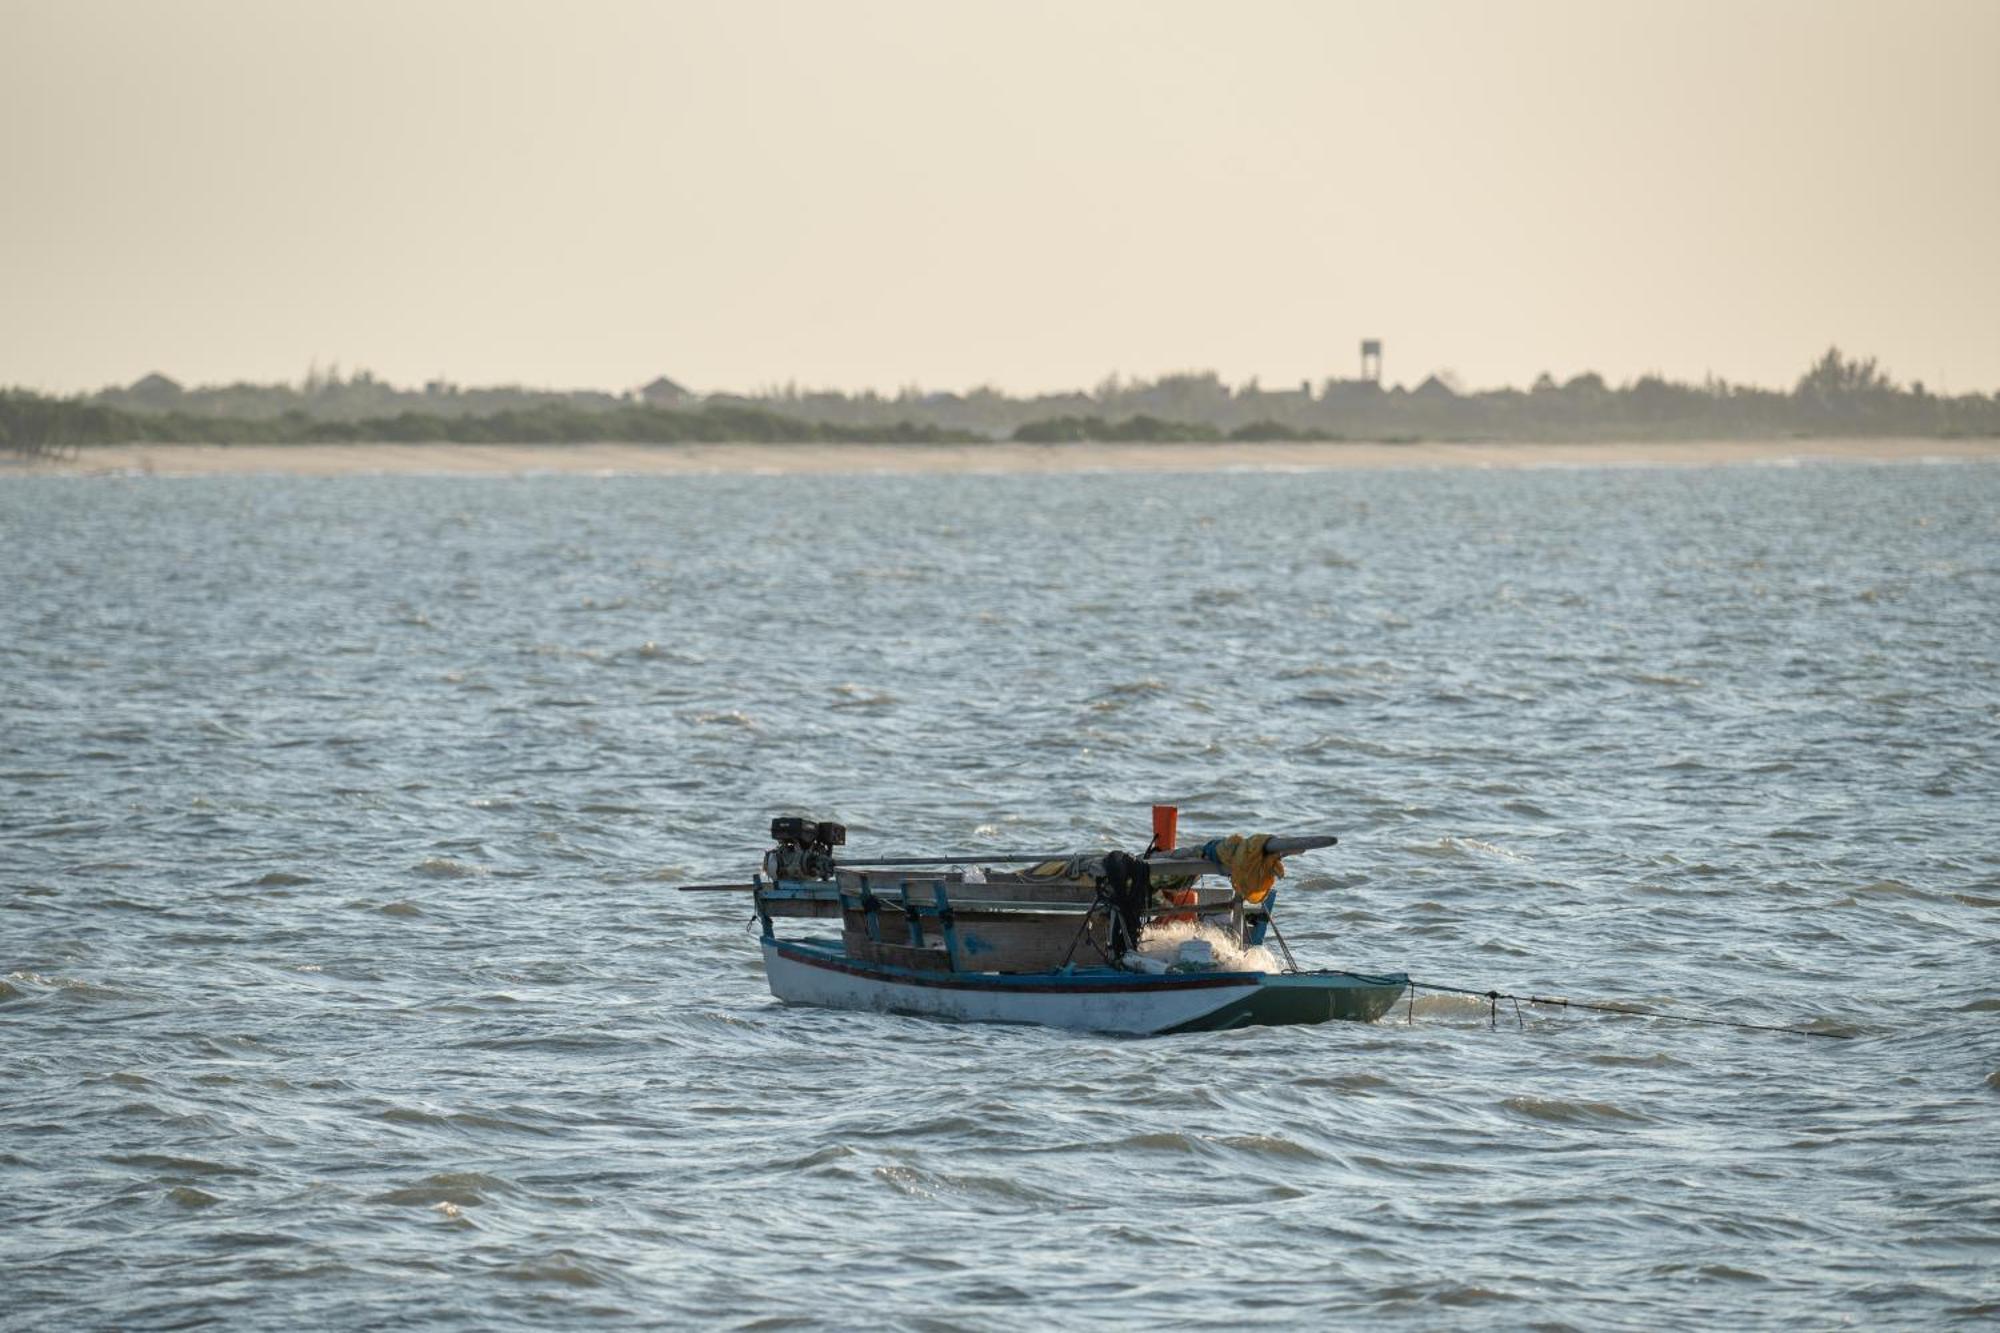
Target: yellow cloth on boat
x=1077, y=868
x=1252, y=870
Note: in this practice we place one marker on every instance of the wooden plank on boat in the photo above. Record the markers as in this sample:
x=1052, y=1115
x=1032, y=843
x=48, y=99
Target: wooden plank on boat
x=997, y=889
x=806, y=907
x=888, y=883
x=1025, y=941
x=899, y=955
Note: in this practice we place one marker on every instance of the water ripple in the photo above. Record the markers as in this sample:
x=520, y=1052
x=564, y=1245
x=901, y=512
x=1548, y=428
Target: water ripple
x=346, y=984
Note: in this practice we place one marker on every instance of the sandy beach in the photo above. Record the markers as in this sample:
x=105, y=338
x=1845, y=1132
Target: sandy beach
x=335, y=460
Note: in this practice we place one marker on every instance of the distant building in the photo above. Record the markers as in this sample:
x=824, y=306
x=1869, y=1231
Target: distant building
x=1371, y=360
x=663, y=392
x=1265, y=400
x=155, y=390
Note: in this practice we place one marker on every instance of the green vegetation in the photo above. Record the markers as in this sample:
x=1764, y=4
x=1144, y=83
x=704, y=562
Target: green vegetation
x=1075, y=430
x=1838, y=395
x=1153, y=430
x=33, y=424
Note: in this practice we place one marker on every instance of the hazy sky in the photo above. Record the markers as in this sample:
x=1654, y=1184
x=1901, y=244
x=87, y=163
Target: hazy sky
x=1032, y=195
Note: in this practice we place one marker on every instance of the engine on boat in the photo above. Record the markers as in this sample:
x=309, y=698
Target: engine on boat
x=805, y=848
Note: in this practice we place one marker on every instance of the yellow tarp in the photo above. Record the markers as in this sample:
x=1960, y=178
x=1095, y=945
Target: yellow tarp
x=1252, y=870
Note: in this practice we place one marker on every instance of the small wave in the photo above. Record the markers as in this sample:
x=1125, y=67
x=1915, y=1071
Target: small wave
x=855, y=697
x=411, y=1115
x=827, y=1156
x=71, y=987
x=1458, y=1294
x=1430, y=1004
x=187, y=1196
x=280, y=879
x=1664, y=680
x=1272, y=1145
x=562, y=1267
x=445, y=867
x=1345, y=1082
x=1489, y=849
x=1658, y=1060
x=1449, y=848
x=904, y=1180
x=69, y=830
x=1974, y=900
x=1159, y=1141
x=1892, y=888
x=1132, y=689
x=895, y=574
x=734, y=717
x=1563, y=1111
x=180, y=1166
x=1989, y=1005
x=460, y=1189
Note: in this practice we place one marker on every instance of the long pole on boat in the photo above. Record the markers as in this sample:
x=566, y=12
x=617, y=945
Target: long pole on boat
x=1277, y=846
x=1174, y=863
x=991, y=858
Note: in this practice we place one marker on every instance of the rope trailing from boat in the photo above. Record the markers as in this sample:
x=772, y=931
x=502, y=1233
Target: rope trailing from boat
x=1493, y=998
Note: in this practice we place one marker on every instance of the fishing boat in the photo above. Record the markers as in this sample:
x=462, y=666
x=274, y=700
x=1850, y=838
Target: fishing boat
x=1094, y=941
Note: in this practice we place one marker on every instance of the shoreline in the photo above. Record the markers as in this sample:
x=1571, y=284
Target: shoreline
x=505, y=460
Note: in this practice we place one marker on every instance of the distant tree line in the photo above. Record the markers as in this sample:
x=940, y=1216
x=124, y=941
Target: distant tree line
x=1837, y=395
x=1153, y=430
x=31, y=423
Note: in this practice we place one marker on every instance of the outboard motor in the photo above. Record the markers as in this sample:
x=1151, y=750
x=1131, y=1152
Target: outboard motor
x=805, y=848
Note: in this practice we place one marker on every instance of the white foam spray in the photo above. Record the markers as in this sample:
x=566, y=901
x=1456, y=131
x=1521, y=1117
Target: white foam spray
x=1162, y=943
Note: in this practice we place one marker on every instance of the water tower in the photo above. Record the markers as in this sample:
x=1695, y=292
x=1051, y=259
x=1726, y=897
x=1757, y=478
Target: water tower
x=1371, y=360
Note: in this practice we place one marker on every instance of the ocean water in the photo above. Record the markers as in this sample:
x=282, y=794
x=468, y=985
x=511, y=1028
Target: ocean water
x=344, y=983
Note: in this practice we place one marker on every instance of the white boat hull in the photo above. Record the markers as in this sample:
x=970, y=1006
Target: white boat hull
x=1141, y=1006
x=1096, y=1001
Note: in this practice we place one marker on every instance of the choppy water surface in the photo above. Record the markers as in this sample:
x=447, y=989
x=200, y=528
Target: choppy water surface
x=345, y=982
